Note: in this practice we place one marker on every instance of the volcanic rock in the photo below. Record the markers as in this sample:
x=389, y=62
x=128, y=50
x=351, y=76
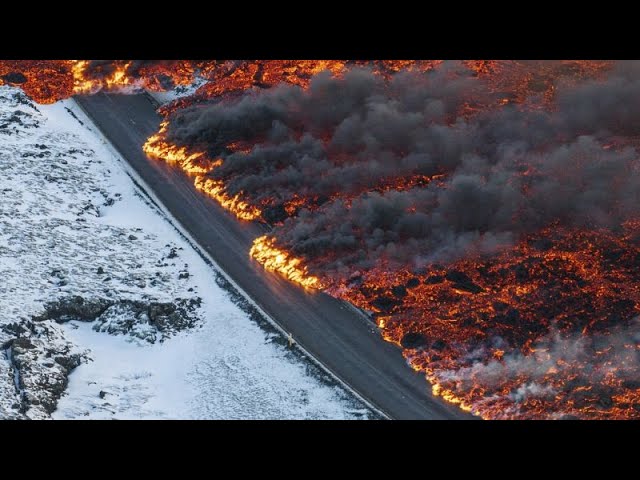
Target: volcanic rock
x=14, y=77
x=468, y=287
x=433, y=279
x=467, y=321
x=399, y=291
x=569, y=417
x=612, y=255
x=605, y=401
x=42, y=361
x=511, y=317
x=385, y=304
x=76, y=308
x=542, y=244
x=412, y=282
x=137, y=318
x=521, y=272
x=23, y=343
x=413, y=340
x=457, y=276
x=462, y=281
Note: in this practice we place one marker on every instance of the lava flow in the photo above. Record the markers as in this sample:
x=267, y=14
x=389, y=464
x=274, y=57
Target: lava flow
x=486, y=213
x=274, y=259
x=47, y=81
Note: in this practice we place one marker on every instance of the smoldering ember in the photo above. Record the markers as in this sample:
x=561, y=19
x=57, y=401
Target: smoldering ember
x=484, y=216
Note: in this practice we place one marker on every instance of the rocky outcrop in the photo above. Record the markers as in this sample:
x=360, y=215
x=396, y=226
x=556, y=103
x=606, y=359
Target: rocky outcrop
x=150, y=321
x=36, y=359
x=40, y=360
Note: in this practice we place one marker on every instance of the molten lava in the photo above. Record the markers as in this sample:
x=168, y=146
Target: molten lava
x=281, y=261
x=216, y=190
x=548, y=328
x=193, y=163
x=47, y=81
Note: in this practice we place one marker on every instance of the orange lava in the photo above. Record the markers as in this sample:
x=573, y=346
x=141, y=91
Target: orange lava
x=47, y=81
x=281, y=261
x=235, y=204
x=193, y=163
x=573, y=286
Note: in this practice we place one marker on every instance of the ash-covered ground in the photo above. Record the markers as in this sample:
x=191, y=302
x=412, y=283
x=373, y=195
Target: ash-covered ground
x=106, y=311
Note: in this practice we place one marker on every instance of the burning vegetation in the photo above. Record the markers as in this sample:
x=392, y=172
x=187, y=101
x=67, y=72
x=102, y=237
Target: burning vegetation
x=486, y=212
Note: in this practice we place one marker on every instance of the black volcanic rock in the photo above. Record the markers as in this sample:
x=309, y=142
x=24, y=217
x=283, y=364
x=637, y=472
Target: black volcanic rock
x=569, y=417
x=14, y=77
x=468, y=287
x=499, y=306
x=521, y=272
x=462, y=281
x=510, y=317
x=385, y=304
x=74, y=307
x=413, y=340
x=542, y=244
x=456, y=276
x=612, y=255
x=122, y=315
x=399, y=291
x=433, y=279
x=412, y=282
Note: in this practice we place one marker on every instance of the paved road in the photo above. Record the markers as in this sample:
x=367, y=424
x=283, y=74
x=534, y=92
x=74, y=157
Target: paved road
x=344, y=341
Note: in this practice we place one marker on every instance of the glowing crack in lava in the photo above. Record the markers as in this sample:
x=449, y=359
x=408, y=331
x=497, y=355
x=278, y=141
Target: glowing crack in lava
x=487, y=213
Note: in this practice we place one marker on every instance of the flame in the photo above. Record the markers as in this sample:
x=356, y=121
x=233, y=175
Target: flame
x=449, y=396
x=198, y=164
x=216, y=190
x=194, y=163
x=281, y=261
x=83, y=85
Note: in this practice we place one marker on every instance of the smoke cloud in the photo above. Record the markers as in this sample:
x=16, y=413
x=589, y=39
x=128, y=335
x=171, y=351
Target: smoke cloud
x=338, y=144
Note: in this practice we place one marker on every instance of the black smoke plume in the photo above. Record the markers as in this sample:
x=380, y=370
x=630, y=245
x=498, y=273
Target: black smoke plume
x=508, y=170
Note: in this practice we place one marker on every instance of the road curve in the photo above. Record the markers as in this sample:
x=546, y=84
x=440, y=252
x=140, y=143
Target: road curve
x=344, y=341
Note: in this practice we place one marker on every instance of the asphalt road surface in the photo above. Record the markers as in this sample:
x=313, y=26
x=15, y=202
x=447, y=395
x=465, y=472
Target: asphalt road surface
x=344, y=341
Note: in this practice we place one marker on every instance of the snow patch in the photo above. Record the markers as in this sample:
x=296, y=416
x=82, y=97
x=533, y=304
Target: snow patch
x=72, y=223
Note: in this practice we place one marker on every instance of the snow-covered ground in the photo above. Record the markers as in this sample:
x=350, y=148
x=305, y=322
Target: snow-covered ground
x=73, y=224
